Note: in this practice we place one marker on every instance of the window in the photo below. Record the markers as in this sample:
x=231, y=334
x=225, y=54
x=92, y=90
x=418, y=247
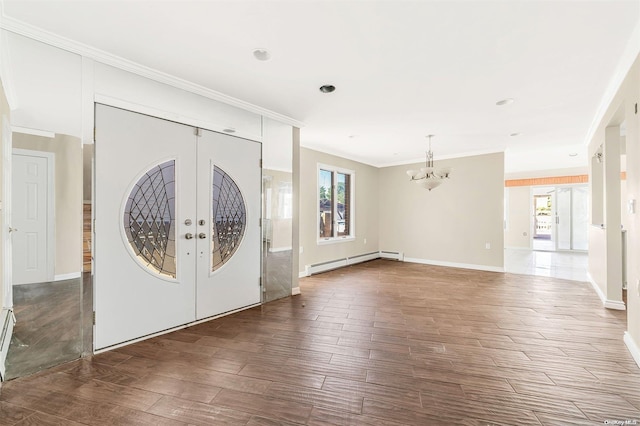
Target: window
x=149, y=219
x=335, y=202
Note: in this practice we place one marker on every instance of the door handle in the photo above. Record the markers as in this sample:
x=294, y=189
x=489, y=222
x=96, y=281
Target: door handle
x=202, y=235
x=13, y=229
x=188, y=235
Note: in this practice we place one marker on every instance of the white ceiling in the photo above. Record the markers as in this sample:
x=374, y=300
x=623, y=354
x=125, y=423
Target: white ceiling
x=403, y=69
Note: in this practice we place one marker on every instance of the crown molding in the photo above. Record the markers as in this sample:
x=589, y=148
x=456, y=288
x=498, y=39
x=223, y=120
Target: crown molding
x=22, y=28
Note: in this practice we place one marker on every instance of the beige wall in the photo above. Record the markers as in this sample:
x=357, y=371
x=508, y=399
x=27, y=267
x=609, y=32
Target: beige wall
x=452, y=223
x=87, y=171
x=68, y=196
x=517, y=232
x=621, y=109
x=366, y=209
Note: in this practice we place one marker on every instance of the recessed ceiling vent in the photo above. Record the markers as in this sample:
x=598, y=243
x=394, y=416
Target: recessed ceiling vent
x=327, y=88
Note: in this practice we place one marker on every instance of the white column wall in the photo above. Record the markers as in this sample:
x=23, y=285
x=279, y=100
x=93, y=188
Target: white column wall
x=612, y=219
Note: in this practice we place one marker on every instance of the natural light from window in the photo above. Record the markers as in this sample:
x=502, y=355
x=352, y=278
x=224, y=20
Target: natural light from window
x=335, y=202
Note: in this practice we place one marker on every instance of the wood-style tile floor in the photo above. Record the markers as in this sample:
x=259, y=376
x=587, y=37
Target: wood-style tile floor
x=382, y=343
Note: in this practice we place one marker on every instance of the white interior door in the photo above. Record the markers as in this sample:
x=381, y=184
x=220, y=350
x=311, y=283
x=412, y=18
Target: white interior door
x=144, y=263
x=177, y=225
x=229, y=188
x=32, y=211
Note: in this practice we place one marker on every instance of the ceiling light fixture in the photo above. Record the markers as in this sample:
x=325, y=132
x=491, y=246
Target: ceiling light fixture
x=506, y=101
x=261, y=54
x=327, y=88
x=573, y=154
x=429, y=177
x=513, y=135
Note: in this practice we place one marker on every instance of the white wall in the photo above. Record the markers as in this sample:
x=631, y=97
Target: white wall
x=121, y=88
x=45, y=84
x=518, y=229
x=604, y=250
x=573, y=171
x=277, y=145
x=451, y=224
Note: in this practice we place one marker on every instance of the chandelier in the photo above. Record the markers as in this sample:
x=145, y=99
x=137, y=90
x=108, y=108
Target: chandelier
x=429, y=177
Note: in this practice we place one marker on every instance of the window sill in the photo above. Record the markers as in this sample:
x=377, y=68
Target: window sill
x=336, y=240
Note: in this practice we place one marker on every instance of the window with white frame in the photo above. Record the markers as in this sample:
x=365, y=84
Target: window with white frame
x=335, y=202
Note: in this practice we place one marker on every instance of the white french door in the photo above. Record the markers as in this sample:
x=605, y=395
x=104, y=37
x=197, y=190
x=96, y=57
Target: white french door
x=176, y=222
x=229, y=188
x=563, y=218
x=572, y=218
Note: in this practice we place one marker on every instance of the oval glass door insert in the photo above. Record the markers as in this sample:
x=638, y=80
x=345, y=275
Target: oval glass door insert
x=149, y=220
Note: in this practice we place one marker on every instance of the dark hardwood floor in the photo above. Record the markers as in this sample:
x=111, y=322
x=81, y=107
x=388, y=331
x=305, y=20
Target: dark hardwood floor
x=381, y=343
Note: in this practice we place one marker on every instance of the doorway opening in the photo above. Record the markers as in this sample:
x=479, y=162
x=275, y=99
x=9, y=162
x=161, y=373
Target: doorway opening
x=51, y=298
x=560, y=218
x=543, y=222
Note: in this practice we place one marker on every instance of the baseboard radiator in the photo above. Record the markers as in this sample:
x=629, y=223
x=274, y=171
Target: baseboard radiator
x=7, y=321
x=393, y=255
x=318, y=268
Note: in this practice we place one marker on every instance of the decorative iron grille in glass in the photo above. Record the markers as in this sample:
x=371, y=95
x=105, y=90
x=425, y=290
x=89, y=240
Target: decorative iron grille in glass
x=149, y=219
x=229, y=218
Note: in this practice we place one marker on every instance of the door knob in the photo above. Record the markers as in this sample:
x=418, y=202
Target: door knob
x=13, y=229
x=188, y=235
x=202, y=235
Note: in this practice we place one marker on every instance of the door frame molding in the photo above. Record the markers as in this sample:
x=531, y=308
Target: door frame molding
x=7, y=265
x=7, y=319
x=50, y=157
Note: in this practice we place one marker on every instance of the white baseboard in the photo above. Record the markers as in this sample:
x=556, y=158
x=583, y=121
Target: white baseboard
x=455, y=264
x=7, y=321
x=69, y=276
x=614, y=304
x=279, y=249
x=609, y=304
x=303, y=274
x=61, y=277
x=295, y=291
x=633, y=347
